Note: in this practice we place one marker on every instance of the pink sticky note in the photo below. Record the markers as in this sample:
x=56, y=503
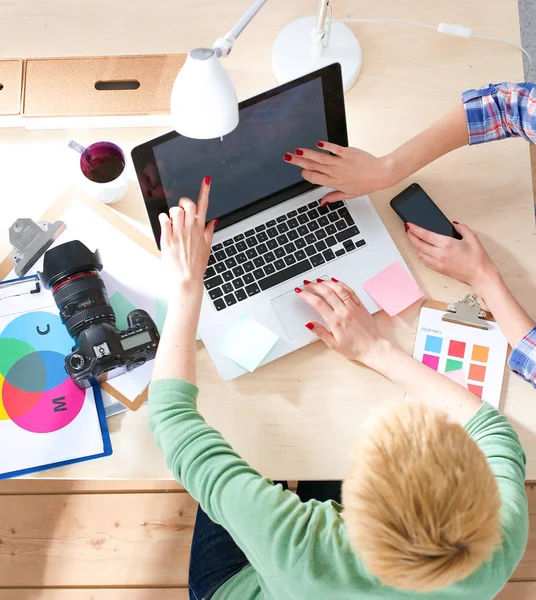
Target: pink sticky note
x=393, y=289
x=458, y=377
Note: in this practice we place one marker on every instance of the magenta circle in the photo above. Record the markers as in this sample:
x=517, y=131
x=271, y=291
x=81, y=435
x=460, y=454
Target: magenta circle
x=56, y=409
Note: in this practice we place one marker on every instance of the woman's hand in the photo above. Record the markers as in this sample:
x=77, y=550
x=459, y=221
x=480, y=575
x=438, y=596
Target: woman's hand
x=185, y=241
x=352, y=330
x=352, y=172
x=465, y=260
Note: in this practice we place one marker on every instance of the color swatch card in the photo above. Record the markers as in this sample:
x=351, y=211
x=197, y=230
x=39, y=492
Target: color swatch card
x=45, y=419
x=471, y=357
x=393, y=289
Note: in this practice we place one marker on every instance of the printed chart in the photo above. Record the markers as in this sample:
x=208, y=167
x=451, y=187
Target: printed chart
x=471, y=357
x=35, y=391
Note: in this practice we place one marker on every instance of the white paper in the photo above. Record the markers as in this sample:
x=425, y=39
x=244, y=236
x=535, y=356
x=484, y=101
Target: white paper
x=431, y=324
x=80, y=436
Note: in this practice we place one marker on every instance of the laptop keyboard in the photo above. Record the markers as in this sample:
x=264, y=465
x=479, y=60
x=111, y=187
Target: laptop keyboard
x=278, y=250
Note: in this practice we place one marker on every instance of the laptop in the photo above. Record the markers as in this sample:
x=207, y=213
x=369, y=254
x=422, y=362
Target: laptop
x=272, y=233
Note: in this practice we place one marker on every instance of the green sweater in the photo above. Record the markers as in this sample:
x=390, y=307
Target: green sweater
x=302, y=550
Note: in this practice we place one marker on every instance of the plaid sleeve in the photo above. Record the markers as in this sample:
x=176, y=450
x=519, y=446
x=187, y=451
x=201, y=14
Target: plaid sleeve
x=501, y=111
x=522, y=361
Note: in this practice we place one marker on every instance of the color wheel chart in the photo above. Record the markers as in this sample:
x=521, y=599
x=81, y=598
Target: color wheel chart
x=471, y=357
x=36, y=393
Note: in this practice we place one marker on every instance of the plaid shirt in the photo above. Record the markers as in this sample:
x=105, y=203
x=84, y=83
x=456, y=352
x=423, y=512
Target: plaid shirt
x=523, y=358
x=501, y=111
x=493, y=113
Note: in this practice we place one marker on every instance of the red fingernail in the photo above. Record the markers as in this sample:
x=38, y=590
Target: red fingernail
x=455, y=222
x=320, y=144
x=322, y=204
x=207, y=180
x=299, y=152
x=216, y=221
x=287, y=156
x=406, y=226
x=298, y=290
x=319, y=281
x=309, y=326
x=335, y=280
x=306, y=282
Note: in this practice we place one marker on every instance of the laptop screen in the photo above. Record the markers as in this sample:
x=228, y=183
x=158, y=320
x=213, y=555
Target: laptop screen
x=246, y=167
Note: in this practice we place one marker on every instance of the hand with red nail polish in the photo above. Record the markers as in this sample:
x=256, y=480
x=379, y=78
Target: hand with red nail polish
x=287, y=157
x=350, y=171
x=186, y=242
x=465, y=260
x=298, y=290
x=306, y=282
x=351, y=330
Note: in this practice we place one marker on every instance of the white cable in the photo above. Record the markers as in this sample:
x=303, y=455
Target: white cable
x=518, y=46
x=449, y=29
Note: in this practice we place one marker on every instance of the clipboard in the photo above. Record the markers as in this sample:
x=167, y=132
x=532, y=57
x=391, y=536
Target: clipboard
x=69, y=197
x=463, y=342
x=40, y=412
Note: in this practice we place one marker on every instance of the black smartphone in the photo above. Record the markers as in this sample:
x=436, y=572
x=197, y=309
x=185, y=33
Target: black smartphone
x=414, y=205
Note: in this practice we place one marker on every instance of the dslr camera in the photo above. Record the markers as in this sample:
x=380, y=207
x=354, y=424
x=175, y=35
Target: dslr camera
x=101, y=350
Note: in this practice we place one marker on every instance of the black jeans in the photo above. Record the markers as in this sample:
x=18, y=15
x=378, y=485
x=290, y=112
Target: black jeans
x=215, y=558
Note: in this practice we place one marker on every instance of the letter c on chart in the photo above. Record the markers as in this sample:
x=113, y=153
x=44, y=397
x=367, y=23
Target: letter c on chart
x=45, y=332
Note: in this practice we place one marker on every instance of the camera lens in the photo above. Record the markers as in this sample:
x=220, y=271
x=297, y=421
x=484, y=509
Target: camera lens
x=71, y=271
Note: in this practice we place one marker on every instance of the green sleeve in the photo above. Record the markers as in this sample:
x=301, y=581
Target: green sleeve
x=269, y=525
x=500, y=444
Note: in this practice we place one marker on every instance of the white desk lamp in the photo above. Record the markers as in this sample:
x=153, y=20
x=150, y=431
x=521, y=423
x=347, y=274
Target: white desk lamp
x=203, y=101
x=311, y=43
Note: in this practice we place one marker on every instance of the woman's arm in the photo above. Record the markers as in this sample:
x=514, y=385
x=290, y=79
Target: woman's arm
x=491, y=113
x=467, y=260
x=185, y=247
x=353, y=333
x=272, y=527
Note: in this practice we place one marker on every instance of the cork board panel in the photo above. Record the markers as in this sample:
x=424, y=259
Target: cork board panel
x=10, y=86
x=59, y=87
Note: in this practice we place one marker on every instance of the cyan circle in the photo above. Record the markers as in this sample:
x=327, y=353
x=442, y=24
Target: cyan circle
x=42, y=330
x=55, y=368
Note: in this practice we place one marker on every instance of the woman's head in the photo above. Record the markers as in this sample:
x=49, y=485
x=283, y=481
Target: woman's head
x=421, y=503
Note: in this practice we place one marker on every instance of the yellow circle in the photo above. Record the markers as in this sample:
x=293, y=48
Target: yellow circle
x=3, y=414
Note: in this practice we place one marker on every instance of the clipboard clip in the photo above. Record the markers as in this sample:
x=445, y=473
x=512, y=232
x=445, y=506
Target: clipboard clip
x=467, y=312
x=19, y=287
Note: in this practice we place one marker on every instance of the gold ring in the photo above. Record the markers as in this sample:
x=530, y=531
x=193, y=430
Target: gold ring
x=345, y=298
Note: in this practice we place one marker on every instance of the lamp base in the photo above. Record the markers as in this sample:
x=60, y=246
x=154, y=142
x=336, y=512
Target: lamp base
x=292, y=58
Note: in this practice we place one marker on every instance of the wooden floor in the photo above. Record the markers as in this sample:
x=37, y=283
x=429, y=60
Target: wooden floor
x=125, y=541
x=116, y=541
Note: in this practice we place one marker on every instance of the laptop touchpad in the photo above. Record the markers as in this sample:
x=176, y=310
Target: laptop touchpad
x=293, y=312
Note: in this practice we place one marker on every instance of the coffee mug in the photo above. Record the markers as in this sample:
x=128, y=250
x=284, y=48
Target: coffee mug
x=102, y=171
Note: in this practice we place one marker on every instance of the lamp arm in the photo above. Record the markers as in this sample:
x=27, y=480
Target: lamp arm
x=223, y=45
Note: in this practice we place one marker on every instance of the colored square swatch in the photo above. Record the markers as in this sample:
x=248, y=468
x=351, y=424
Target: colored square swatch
x=431, y=361
x=453, y=365
x=458, y=377
x=476, y=389
x=247, y=343
x=477, y=372
x=393, y=289
x=457, y=349
x=480, y=353
x=433, y=344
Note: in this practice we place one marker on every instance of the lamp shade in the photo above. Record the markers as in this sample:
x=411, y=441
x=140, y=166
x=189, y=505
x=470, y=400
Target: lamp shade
x=203, y=99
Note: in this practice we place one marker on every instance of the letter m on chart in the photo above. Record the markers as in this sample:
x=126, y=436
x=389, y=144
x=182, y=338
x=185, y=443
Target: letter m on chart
x=59, y=404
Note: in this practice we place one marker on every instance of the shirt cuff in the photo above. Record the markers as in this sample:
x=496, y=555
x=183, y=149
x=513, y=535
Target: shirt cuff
x=480, y=127
x=522, y=361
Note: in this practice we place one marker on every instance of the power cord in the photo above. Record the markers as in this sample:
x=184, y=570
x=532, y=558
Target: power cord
x=457, y=30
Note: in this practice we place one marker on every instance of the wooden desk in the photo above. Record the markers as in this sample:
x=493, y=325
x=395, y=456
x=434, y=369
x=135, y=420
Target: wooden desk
x=298, y=417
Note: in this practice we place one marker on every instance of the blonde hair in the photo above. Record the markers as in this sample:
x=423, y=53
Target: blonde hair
x=421, y=503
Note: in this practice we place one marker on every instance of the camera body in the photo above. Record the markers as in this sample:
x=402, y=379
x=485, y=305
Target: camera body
x=104, y=349
x=101, y=350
